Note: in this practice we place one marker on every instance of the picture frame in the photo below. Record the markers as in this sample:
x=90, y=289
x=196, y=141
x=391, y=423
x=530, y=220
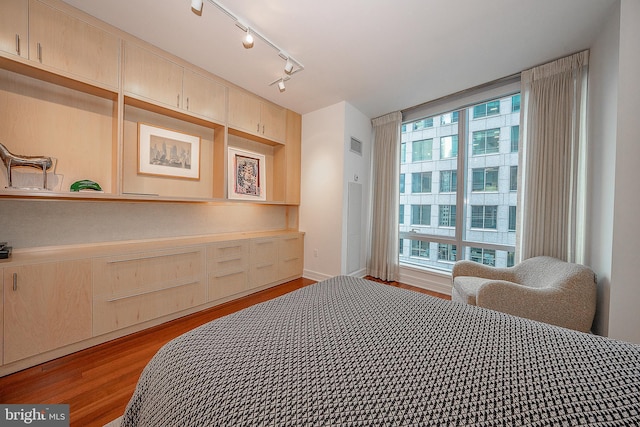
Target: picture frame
x=169, y=153
x=247, y=178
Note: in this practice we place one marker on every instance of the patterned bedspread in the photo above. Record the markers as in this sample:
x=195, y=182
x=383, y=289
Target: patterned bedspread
x=350, y=352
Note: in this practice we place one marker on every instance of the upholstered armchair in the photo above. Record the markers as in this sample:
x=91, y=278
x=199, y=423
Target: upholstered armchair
x=542, y=288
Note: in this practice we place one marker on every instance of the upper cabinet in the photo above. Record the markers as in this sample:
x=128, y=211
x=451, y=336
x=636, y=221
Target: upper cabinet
x=14, y=27
x=161, y=80
x=70, y=44
x=255, y=116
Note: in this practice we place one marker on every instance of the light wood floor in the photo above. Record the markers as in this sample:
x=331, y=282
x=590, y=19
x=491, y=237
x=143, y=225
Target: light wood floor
x=98, y=382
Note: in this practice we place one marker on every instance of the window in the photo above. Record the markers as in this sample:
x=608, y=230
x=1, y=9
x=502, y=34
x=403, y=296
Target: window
x=419, y=249
x=448, y=181
x=446, y=252
x=423, y=124
x=447, y=216
x=515, y=137
x=515, y=103
x=421, y=182
x=486, y=142
x=449, y=147
x=465, y=175
x=449, y=118
x=422, y=150
x=401, y=183
x=485, y=179
x=484, y=256
x=489, y=109
x=484, y=217
x=403, y=153
x=421, y=214
x=401, y=214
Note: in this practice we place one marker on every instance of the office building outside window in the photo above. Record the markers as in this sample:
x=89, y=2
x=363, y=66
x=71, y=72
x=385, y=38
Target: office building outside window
x=459, y=182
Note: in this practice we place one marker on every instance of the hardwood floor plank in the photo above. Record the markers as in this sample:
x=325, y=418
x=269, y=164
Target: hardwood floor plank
x=98, y=382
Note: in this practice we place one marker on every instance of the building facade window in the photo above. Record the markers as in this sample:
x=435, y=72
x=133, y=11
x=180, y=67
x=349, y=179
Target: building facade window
x=447, y=216
x=448, y=181
x=487, y=109
x=486, y=142
x=461, y=171
x=419, y=249
x=513, y=178
x=449, y=147
x=423, y=124
x=485, y=179
x=421, y=182
x=422, y=150
x=421, y=214
x=402, y=183
x=485, y=217
x=401, y=217
x=515, y=137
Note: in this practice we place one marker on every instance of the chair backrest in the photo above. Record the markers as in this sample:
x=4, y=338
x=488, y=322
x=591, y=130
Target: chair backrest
x=544, y=271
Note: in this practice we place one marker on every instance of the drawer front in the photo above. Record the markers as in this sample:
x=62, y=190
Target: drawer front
x=222, y=285
x=135, y=288
x=290, y=267
x=263, y=274
x=228, y=250
x=264, y=251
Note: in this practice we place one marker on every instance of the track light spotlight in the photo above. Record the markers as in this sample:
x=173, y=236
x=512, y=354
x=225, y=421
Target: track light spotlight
x=196, y=6
x=281, y=87
x=247, y=42
x=288, y=67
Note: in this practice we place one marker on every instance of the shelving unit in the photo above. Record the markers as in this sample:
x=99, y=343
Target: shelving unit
x=81, y=104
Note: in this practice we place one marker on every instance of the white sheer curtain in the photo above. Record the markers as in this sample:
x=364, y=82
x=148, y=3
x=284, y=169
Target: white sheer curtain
x=385, y=185
x=552, y=204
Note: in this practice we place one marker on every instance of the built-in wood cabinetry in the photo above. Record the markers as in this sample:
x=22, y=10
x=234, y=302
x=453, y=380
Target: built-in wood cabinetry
x=159, y=79
x=67, y=43
x=59, y=300
x=256, y=117
x=79, y=89
x=14, y=27
x=46, y=306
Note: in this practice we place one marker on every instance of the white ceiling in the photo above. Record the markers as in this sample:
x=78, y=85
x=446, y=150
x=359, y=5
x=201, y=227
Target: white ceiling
x=378, y=55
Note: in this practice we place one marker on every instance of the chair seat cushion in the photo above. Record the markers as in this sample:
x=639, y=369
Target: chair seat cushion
x=466, y=288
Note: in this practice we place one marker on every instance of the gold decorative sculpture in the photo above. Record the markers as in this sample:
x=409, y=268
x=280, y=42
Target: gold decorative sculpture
x=10, y=160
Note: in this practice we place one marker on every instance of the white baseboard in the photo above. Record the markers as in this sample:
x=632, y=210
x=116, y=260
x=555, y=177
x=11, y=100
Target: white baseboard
x=314, y=275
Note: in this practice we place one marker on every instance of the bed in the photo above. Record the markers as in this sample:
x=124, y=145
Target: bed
x=352, y=352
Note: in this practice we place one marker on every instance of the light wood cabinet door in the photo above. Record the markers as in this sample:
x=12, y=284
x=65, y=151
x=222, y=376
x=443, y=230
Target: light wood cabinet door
x=203, y=96
x=273, y=121
x=46, y=306
x=152, y=76
x=72, y=45
x=263, y=257
x=244, y=111
x=293, y=156
x=290, y=259
x=14, y=27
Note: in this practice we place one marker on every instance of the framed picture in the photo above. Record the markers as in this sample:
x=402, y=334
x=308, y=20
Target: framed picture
x=246, y=175
x=165, y=152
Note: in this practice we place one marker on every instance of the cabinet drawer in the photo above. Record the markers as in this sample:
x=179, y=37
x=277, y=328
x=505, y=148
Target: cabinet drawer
x=132, y=289
x=223, y=284
x=264, y=251
x=263, y=274
x=290, y=267
x=227, y=250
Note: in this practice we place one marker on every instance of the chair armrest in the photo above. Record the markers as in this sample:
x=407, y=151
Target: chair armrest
x=474, y=269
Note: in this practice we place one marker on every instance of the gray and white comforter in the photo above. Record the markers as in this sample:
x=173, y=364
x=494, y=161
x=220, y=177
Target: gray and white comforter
x=350, y=352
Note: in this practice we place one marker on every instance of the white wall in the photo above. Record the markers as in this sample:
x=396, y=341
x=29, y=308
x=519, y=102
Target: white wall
x=603, y=110
x=624, y=312
x=321, y=191
x=327, y=168
x=357, y=169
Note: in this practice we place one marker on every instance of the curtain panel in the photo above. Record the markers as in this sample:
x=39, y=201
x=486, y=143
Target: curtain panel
x=552, y=181
x=385, y=186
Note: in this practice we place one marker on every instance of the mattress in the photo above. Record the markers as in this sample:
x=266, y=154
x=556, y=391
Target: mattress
x=352, y=352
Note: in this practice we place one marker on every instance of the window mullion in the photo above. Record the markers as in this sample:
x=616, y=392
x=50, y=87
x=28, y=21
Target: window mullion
x=461, y=209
